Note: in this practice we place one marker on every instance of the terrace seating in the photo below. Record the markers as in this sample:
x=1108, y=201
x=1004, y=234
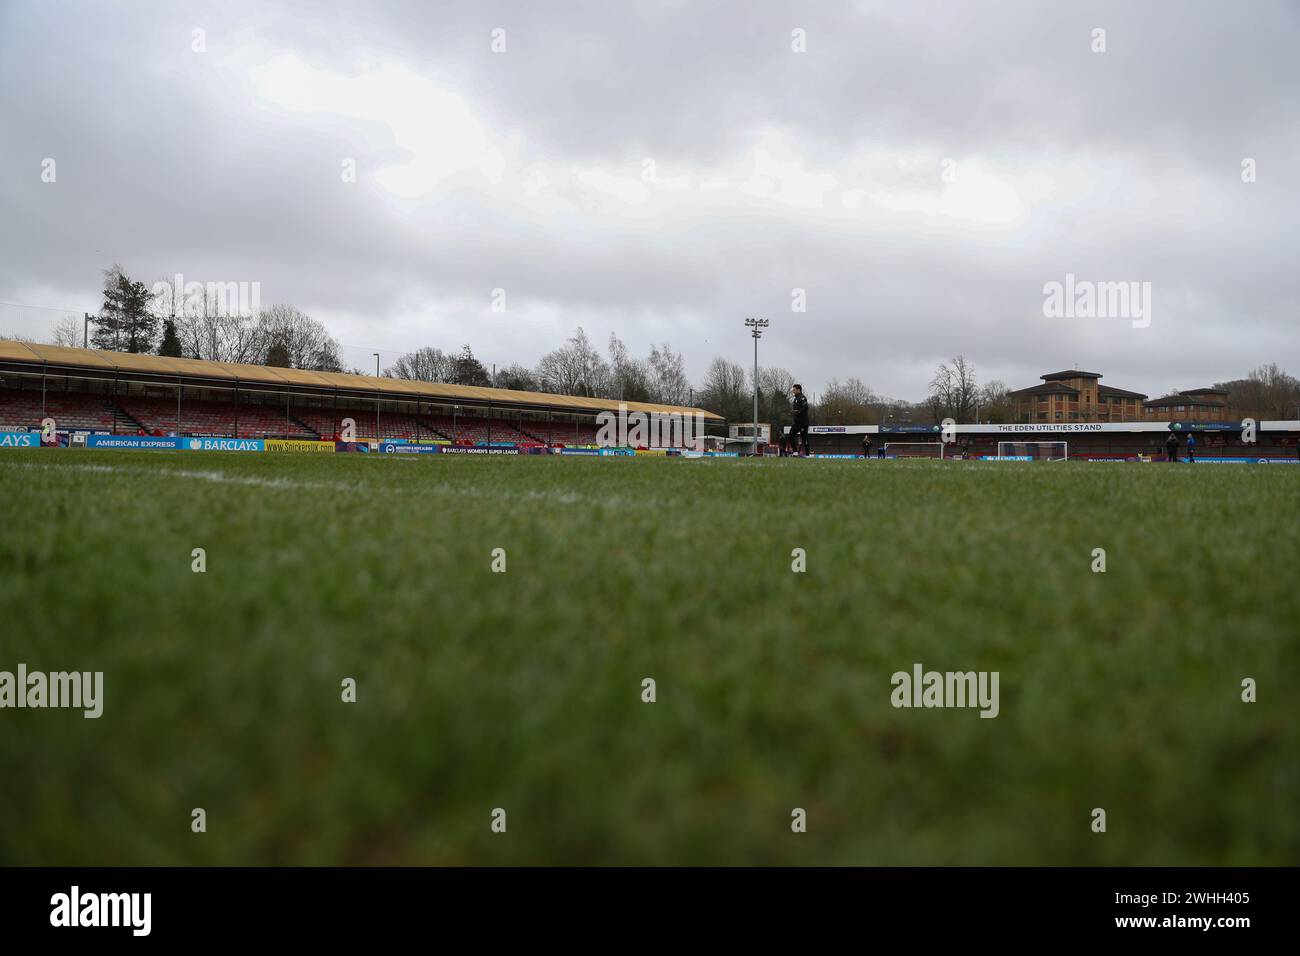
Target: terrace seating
x=21, y=408
x=214, y=418
x=328, y=422
x=467, y=428
x=71, y=411
x=562, y=433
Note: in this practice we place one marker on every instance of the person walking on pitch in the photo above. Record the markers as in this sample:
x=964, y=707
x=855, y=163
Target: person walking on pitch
x=799, y=408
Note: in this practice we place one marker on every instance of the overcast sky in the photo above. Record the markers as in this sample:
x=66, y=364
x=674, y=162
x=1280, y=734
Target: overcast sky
x=662, y=170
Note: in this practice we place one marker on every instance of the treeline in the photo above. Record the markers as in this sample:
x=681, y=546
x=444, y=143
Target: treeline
x=1267, y=393
x=575, y=368
x=194, y=322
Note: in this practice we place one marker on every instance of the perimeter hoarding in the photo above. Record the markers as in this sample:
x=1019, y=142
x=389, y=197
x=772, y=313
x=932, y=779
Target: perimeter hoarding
x=223, y=444
x=398, y=448
x=158, y=442
x=300, y=445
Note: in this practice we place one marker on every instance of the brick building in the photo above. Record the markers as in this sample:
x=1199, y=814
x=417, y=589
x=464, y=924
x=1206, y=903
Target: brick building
x=1075, y=396
x=1193, y=405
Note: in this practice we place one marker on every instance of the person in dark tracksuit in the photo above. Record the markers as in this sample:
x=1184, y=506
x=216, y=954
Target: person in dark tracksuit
x=799, y=407
x=1171, y=447
x=866, y=445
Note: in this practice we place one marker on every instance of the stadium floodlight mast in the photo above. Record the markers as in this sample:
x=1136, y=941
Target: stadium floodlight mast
x=756, y=327
x=377, y=438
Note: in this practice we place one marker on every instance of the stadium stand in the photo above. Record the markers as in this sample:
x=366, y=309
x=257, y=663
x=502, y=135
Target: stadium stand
x=562, y=433
x=97, y=390
x=328, y=423
x=22, y=409
x=214, y=418
x=465, y=428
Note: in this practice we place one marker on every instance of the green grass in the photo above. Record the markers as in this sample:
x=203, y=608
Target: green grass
x=522, y=690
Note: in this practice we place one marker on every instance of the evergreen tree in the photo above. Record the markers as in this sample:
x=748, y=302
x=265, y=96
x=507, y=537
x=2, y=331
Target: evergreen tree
x=277, y=355
x=469, y=370
x=171, y=342
x=125, y=323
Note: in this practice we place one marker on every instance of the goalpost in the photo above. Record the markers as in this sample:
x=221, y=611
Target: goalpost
x=915, y=449
x=1033, y=450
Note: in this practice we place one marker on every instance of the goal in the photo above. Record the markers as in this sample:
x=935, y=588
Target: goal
x=914, y=449
x=1033, y=450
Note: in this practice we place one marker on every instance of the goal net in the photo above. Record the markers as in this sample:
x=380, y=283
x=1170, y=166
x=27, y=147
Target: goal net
x=1033, y=450
x=914, y=449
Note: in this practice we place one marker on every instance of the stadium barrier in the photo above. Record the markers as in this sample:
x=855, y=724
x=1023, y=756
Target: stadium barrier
x=20, y=439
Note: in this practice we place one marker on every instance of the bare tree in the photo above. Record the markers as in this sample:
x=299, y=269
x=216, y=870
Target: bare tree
x=995, y=403
x=774, y=386
x=68, y=331
x=667, y=375
x=425, y=364
x=953, y=391
x=1267, y=392
x=518, y=377
x=847, y=403
x=303, y=341
x=724, y=390
x=629, y=378
x=574, y=369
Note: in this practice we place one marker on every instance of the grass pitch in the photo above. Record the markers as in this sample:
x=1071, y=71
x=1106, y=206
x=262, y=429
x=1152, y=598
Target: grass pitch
x=522, y=690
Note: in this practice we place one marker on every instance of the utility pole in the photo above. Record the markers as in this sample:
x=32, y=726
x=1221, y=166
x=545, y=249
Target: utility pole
x=377, y=397
x=85, y=332
x=756, y=326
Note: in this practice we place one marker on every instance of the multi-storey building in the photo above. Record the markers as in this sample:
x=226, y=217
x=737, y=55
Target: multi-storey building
x=1075, y=396
x=1193, y=405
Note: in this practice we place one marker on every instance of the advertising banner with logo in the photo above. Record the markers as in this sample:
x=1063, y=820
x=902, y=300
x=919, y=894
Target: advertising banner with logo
x=397, y=448
x=20, y=439
x=223, y=444
x=300, y=445
x=474, y=450
x=132, y=441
